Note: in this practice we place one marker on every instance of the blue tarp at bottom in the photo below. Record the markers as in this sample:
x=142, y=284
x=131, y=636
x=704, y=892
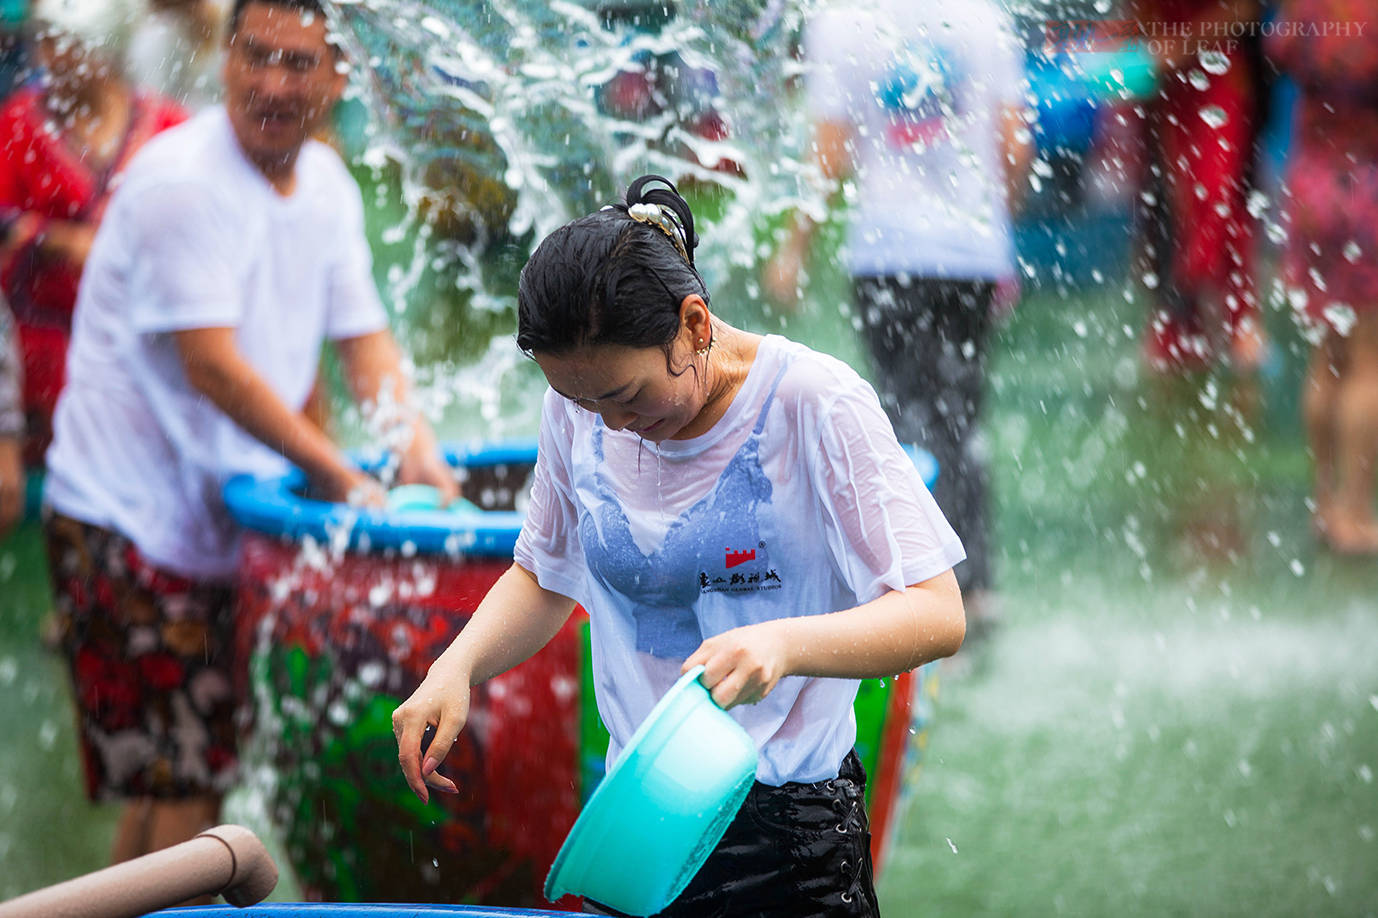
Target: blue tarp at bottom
x=351, y=910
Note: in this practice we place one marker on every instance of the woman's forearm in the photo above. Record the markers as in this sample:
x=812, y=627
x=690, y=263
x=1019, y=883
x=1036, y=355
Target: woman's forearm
x=888, y=635
x=891, y=634
x=515, y=620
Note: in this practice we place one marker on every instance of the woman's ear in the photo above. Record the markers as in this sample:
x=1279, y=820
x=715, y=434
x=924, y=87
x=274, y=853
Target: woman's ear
x=695, y=317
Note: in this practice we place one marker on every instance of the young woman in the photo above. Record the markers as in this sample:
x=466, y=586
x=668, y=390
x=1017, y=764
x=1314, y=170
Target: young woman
x=709, y=496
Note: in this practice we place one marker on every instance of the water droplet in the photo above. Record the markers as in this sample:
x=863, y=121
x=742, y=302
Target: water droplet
x=1199, y=80
x=1352, y=252
x=1214, y=116
x=435, y=26
x=1297, y=298
x=1297, y=567
x=1216, y=62
x=951, y=845
x=1341, y=317
x=47, y=734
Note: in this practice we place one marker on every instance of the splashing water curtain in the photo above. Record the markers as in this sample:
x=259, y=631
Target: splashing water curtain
x=506, y=119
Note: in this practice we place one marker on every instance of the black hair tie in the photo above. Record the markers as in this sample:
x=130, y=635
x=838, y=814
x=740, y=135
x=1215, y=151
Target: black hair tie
x=665, y=209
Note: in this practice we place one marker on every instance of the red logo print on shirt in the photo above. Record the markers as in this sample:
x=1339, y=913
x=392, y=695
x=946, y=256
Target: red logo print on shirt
x=735, y=558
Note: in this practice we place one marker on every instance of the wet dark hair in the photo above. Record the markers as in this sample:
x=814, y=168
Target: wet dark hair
x=237, y=11
x=611, y=278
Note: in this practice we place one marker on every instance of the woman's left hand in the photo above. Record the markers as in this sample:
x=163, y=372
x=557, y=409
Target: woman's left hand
x=743, y=665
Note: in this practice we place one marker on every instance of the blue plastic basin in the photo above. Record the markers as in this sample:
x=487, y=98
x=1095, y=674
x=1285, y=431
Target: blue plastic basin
x=353, y=910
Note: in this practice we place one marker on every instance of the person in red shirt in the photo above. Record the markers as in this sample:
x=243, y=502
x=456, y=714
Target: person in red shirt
x=66, y=142
x=1198, y=234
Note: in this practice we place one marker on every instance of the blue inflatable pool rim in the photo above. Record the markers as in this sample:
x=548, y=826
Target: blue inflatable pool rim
x=281, y=507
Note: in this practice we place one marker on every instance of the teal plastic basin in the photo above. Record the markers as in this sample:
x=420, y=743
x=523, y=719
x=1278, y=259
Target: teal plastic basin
x=662, y=808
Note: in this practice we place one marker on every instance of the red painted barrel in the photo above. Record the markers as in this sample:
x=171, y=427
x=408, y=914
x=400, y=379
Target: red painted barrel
x=337, y=639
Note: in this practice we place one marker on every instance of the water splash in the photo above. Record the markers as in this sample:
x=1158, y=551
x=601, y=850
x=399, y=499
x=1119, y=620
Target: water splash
x=1215, y=62
x=1214, y=116
x=504, y=119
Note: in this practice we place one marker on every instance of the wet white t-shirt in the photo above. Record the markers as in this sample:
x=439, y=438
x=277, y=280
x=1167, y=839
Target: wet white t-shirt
x=196, y=237
x=799, y=501
x=922, y=83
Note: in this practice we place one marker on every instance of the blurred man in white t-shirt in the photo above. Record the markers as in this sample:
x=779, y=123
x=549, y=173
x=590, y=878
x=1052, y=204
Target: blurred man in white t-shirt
x=923, y=103
x=232, y=250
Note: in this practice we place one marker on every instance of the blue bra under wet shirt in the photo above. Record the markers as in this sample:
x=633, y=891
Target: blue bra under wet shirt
x=664, y=586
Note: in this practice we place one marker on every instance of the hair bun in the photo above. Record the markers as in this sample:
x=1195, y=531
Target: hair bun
x=678, y=216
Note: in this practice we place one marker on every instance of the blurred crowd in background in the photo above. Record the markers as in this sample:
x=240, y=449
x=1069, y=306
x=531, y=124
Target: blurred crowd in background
x=1245, y=121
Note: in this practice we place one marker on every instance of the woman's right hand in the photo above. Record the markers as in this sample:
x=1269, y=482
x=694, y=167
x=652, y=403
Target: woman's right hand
x=441, y=701
x=514, y=621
